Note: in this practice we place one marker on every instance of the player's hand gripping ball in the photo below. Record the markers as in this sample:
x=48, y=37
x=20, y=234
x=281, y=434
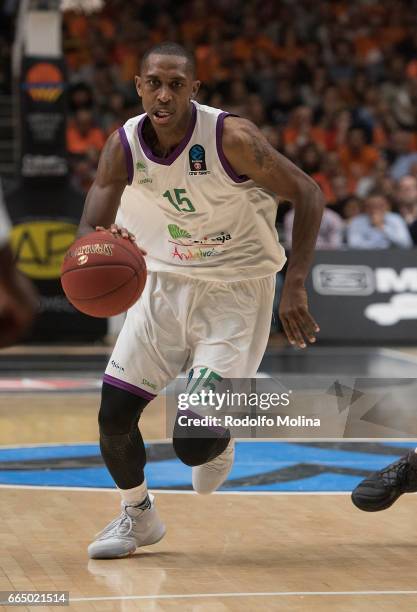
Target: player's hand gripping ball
x=103, y=274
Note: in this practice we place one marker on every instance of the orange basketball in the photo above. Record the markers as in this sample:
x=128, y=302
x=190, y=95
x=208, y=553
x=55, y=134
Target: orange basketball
x=102, y=274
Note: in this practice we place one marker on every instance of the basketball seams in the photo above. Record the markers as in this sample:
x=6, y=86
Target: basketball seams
x=103, y=295
x=127, y=250
x=103, y=281
x=98, y=265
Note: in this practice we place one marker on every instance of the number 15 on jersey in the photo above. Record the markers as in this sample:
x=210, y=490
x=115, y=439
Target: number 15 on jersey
x=179, y=200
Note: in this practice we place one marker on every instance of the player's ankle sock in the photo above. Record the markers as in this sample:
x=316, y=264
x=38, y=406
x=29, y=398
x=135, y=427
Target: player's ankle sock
x=136, y=495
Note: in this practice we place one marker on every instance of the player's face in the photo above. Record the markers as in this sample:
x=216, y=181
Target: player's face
x=166, y=86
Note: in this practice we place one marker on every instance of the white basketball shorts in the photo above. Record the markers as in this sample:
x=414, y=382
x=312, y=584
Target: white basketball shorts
x=180, y=323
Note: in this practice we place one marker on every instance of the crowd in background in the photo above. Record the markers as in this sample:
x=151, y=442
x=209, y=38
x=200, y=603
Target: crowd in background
x=332, y=85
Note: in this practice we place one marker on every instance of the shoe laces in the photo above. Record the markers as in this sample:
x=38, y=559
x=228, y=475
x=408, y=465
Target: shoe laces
x=218, y=462
x=400, y=474
x=122, y=525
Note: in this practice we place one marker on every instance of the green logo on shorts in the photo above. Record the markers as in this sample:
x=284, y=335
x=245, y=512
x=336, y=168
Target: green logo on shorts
x=148, y=384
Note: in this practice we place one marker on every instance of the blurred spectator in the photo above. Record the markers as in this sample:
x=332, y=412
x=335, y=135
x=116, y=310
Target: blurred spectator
x=310, y=158
x=115, y=114
x=237, y=97
x=407, y=198
x=80, y=96
x=83, y=173
x=413, y=232
x=252, y=40
x=352, y=208
x=356, y=157
x=378, y=228
x=330, y=234
x=254, y=109
x=286, y=98
x=342, y=190
x=83, y=134
x=407, y=203
x=400, y=153
x=376, y=180
x=273, y=136
x=341, y=66
x=300, y=131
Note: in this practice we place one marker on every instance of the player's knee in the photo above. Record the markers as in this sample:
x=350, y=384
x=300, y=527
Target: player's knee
x=119, y=410
x=196, y=451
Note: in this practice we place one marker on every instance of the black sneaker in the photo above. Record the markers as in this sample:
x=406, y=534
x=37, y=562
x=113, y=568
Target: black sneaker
x=381, y=489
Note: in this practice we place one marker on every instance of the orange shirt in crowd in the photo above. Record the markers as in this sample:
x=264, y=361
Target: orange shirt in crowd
x=365, y=46
x=358, y=164
x=76, y=46
x=79, y=144
x=391, y=35
x=193, y=29
x=78, y=26
x=244, y=49
x=127, y=57
x=289, y=53
x=292, y=135
x=379, y=136
x=326, y=186
x=208, y=63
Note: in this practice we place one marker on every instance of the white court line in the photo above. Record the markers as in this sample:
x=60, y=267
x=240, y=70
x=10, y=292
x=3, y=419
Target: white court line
x=173, y=491
x=243, y=594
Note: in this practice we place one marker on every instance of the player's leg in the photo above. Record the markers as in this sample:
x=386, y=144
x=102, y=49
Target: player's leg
x=381, y=489
x=147, y=355
x=208, y=449
x=198, y=444
x=231, y=329
x=124, y=454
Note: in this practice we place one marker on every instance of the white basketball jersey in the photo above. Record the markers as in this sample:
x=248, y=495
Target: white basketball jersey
x=191, y=212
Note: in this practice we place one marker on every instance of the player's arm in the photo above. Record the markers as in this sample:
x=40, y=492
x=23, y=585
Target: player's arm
x=103, y=198
x=250, y=154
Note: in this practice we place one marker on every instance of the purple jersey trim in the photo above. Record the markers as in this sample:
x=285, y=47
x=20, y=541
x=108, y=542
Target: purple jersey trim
x=227, y=167
x=167, y=161
x=128, y=155
x=121, y=384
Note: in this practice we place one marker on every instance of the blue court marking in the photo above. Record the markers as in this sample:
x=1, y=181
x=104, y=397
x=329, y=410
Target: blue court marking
x=49, y=452
x=322, y=483
x=254, y=462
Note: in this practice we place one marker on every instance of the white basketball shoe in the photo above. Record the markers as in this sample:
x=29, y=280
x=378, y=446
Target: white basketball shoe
x=136, y=526
x=211, y=475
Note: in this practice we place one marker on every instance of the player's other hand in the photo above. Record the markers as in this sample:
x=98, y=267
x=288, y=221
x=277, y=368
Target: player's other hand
x=116, y=230
x=298, y=323
x=19, y=302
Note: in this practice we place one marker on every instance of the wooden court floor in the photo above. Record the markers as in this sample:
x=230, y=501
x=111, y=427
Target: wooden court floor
x=225, y=552
x=220, y=553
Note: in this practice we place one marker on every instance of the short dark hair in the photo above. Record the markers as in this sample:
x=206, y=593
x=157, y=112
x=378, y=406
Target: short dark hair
x=170, y=48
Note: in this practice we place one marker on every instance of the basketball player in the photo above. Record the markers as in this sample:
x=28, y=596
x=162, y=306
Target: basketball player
x=198, y=189
x=18, y=298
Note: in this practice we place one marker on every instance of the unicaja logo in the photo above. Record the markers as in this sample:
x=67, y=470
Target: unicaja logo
x=117, y=366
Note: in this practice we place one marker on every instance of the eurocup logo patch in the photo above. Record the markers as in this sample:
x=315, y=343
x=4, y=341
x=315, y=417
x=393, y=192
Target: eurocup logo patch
x=197, y=157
